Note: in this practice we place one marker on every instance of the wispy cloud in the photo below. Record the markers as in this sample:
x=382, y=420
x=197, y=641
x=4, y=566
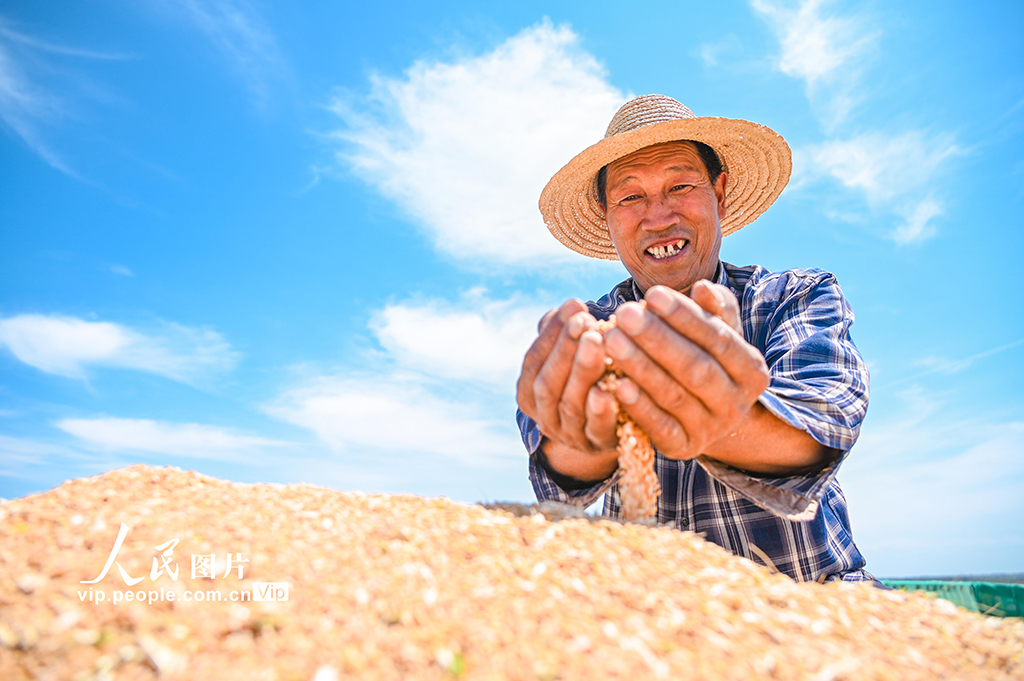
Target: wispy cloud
x=893, y=173
x=25, y=106
x=934, y=489
x=465, y=147
x=122, y=270
x=476, y=340
x=824, y=49
x=190, y=440
x=243, y=37
x=29, y=105
x=445, y=370
x=714, y=54
x=363, y=414
x=943, y=365
x=9, y=34
x=68, y=346
x=18, y=455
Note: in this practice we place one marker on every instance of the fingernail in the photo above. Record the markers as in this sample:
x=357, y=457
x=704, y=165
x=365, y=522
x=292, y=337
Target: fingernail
x=589, y=351
x=661, y=300
x=574, y=327
x=631, y=318
x=618, y=344
x=595, y=405
x=627, y=392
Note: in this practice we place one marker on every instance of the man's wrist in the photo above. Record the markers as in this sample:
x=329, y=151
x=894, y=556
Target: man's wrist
x=567, y=481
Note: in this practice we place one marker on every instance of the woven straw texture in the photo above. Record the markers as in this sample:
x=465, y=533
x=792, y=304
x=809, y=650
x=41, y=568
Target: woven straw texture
x=757, y=159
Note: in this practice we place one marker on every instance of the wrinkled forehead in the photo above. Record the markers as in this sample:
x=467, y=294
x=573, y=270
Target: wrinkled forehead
x=682, y=154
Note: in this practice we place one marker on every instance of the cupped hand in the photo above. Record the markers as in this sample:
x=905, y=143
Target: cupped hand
x=557, y=389
x=691, y=377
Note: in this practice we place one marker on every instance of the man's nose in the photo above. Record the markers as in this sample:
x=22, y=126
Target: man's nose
x=659, y=214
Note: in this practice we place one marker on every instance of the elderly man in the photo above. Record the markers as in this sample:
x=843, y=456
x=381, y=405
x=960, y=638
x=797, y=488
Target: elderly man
x=746, y=381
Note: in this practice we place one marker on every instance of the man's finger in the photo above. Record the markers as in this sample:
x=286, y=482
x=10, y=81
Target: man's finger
x=587, y=367
x=715, y=336
x=549, y=385
x=543, y=321
x=719, y=301
x=664, y=362
x=667, y=433
x=602, y=413
x=550, y=330
x=689, y=384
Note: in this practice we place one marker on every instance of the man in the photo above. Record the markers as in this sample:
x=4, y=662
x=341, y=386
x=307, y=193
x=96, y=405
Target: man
x=746, y=381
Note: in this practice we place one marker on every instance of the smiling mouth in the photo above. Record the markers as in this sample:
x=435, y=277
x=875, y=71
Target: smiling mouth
x=663, y=251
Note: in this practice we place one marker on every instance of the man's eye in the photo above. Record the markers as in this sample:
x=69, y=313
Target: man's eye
x=630, y=199
x=682, y=187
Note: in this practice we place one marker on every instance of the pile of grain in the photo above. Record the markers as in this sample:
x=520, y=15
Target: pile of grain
x=404, y=587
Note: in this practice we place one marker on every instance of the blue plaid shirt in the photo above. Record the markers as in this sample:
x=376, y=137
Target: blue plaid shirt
x=800, y=321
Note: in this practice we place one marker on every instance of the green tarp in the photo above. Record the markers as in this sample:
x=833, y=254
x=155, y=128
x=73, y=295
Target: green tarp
x=988, y=598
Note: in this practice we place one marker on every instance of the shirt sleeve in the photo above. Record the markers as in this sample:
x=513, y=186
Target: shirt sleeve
x=819, y=383
x=544, y=486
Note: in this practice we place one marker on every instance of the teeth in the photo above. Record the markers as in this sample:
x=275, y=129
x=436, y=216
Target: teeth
x=667, y=250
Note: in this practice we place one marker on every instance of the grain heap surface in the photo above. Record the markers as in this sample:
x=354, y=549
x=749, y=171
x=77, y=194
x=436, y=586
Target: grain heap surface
x=395, y=587
x=638, y=485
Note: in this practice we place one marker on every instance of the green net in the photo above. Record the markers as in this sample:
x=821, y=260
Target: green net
x=989, y=598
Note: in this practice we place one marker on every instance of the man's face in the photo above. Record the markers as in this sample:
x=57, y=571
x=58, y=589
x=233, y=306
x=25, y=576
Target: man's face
x=664, y=215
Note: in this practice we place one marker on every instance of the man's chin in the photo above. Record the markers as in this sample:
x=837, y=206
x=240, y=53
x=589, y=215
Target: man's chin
x=681, y=284
x=681, y=277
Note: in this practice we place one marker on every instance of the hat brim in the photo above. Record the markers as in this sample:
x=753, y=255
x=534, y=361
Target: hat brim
x=756, y=158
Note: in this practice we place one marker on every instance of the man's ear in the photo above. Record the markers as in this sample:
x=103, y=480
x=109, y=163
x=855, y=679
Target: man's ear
x=720, y=184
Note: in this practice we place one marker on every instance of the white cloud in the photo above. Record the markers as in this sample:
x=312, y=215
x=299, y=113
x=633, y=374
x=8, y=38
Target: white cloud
x=944, y=365
x=917, y=226
x=480, y=340
x=191, y=440
x=11, y=35
x=884, y=167
x=67, y=346
x=242, y=36
x=465, y=147
x=893, y=173
x=713, y=54
x=123, y=270
x=824, y=50
x=24, y=105
x=19, y=454
x=375, y=413
x=814, y=47
x=933, y=491
x=28, y=103
x=443, y=388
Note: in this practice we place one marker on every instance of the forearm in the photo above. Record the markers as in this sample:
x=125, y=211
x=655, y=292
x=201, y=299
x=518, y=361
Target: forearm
x=763, y=444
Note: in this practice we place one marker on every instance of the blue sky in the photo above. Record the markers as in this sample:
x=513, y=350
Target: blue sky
x=299, y=241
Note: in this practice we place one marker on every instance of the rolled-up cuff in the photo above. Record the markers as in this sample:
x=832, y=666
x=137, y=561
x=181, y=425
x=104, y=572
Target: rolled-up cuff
x=795, y=497
x=547, y=490
x=810, y=412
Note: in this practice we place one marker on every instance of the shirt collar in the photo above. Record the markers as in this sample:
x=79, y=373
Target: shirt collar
x=721, y=277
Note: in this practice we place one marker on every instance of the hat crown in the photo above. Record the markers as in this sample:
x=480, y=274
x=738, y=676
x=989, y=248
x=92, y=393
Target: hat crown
x=646, y=110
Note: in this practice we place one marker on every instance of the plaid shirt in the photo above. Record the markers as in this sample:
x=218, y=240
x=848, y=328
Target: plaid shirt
x=800, y=321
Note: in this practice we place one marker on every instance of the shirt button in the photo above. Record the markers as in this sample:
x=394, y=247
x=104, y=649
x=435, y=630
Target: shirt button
x=684, y=523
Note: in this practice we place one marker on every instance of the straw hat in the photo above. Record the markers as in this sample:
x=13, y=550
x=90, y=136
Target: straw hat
x=757, y=159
